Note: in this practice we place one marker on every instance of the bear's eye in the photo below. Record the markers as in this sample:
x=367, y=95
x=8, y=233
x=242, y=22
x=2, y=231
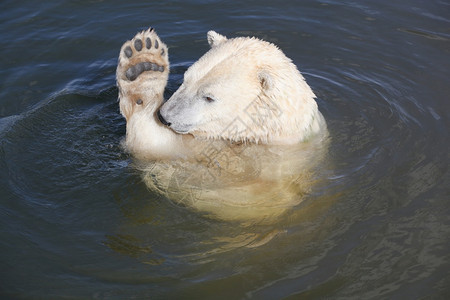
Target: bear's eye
x=209, y=99
x=139, y=102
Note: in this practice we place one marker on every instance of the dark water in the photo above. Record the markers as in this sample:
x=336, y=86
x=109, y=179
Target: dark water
x=76, y=220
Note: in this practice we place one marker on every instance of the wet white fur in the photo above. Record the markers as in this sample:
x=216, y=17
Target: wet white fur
x=241, y=72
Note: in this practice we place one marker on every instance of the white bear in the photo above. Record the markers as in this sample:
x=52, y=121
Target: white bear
x=242, y=90
x=237, y=139
x=246, y=79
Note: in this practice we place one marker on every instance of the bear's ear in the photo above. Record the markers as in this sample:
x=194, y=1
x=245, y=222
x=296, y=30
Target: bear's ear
x=215, y=39
x=266, y=80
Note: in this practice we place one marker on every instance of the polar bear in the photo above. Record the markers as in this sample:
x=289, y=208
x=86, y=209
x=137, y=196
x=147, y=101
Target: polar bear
x=242, y=131
x=246, y=79
x=242, y=90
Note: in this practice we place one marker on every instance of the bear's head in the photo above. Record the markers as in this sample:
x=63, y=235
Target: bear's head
x=242, y=89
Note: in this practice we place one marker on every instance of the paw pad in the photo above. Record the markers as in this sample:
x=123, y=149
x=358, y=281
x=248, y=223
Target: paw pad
x=128, y=52
x=142, y=49
x=134, y=71
x=138, y=44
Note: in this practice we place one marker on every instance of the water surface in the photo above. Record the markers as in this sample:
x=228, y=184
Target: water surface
x=77, y=221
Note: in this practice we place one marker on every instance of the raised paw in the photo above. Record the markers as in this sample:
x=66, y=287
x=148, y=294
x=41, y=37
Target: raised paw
x=144, y=54
x=142, y=73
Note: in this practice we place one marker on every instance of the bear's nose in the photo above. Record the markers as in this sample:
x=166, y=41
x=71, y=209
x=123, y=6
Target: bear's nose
x=160, y=117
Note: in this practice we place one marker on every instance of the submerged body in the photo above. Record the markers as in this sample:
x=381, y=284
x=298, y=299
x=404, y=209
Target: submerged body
x=242, y=131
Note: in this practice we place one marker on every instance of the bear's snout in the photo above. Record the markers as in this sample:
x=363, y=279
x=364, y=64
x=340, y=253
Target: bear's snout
x=161, y=118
